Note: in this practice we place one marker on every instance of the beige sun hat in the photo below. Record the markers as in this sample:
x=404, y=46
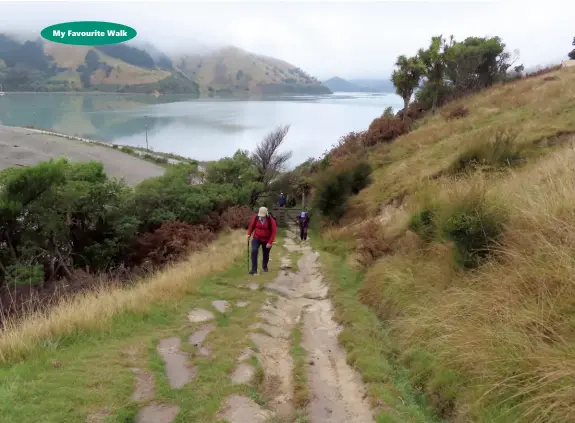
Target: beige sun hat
x=263, y=212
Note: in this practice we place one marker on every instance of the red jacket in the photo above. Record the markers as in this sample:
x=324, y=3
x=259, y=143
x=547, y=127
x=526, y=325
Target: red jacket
x=262, y=231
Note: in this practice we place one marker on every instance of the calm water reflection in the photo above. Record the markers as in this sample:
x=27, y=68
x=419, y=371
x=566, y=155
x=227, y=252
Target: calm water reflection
x=202, y=129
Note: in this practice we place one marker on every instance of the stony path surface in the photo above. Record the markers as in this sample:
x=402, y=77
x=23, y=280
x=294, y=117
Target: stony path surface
x=295, y=300
x=337, y=394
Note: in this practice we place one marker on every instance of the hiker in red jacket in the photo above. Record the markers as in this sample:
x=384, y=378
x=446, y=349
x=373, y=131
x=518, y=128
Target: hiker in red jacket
x=264, y=229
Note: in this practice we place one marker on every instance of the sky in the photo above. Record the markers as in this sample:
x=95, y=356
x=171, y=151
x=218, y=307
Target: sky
x=354, y=39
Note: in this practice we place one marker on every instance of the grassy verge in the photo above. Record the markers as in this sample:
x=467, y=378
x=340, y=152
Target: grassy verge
x=369, y=347
x=493, y=343
x=301, y=389
x=77, y=361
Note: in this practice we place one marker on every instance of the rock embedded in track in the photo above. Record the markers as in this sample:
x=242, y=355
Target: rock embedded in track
x=199, y=315
x=241, y=409
x=158, y=413
x=221, y=305
x=178, y=371
x=144, y=389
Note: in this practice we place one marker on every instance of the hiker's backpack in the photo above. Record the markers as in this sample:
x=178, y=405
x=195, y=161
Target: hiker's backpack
x=269, y=222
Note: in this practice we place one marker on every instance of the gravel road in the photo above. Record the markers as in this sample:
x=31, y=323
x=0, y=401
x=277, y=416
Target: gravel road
x=25, y=147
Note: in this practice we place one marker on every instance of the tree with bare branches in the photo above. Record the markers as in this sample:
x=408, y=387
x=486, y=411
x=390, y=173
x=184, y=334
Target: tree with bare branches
x=269, y=161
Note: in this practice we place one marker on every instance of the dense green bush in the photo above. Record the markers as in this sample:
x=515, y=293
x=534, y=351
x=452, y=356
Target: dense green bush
x=335, y=187
x=475, y=227
x=422, y=223
x=360, y=176
x=59, y=216
x=332, y=194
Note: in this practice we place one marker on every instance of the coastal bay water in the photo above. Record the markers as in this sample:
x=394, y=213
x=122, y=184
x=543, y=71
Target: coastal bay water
x=204, y=129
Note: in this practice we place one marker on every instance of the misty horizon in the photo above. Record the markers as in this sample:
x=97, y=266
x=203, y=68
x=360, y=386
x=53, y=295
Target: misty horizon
x=350, y=40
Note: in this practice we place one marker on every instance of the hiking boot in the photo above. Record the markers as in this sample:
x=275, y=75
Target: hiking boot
x=265, y=269
x=252, y=272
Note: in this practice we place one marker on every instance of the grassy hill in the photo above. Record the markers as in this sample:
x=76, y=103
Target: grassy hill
x=232, y=69
x=377, y=85
x=46, y=66
x=453, y=268
x=342, y=85
x=359, y=85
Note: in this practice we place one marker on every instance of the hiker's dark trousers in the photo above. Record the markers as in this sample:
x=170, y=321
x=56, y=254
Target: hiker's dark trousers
x=303, y=233
x=266, y=253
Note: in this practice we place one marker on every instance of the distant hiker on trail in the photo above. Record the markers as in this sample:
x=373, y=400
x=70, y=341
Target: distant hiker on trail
x=282, y=201
x=264, y=229
x=303, y=220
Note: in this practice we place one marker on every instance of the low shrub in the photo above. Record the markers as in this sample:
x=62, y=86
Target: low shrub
x=360, y=177
x=331, y=195
x=335, y=187
x=155, y=159
x=385, y=129
x=22, y=274
x=458, y=112
x=415, y=111
x=543, y=71
x=388, y=112
x=475, y=226
x=171, y=241
x=236, y=217
x=348, y=145
x=127, y=150
x=422, y=224
x=371, y=243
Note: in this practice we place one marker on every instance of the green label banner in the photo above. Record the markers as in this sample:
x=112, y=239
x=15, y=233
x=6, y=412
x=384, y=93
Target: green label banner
x=88, y=33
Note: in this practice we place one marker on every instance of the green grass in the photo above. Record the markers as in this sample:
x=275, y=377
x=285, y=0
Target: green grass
x=369, y=347
x=301, y=389
x=88, y=372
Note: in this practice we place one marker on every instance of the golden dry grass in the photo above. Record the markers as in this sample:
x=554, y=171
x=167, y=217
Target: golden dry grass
x=95, y=310
x=497, y=343
x=507, y=329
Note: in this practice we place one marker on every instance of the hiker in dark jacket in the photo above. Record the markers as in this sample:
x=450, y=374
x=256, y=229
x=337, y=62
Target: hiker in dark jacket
x=264, y=229
x=282, y=200
x=303, y=220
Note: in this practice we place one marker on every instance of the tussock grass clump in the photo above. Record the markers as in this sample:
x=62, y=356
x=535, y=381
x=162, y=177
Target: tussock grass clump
x=464, y=214
x=95, y=310
x=502, y=151
x=422, y=224
x=473, y=222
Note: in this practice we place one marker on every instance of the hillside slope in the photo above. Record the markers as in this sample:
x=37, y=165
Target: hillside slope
x=376, y=85
x=466, y=242
x=45, y=66
x=232, y=69
x=342, y=85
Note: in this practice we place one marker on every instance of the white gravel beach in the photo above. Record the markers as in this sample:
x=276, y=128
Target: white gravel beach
x=25, y=147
